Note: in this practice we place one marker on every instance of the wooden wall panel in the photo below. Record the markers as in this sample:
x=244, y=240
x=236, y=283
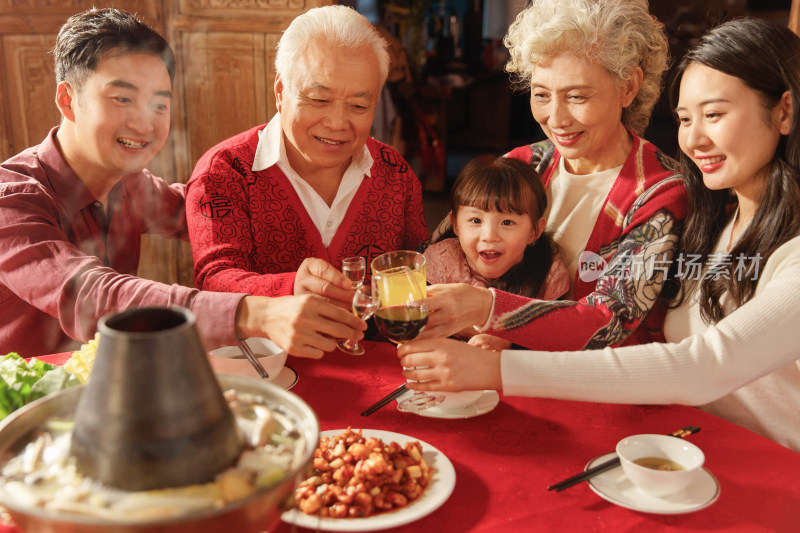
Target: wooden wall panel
x=225, y=86
x=47, y=16
x=30, y=88
x=241, y=15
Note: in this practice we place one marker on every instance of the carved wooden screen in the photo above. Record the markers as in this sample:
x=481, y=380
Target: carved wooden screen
x=224, y=51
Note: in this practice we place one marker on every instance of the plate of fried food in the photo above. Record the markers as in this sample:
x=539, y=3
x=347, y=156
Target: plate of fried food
x=368, y=480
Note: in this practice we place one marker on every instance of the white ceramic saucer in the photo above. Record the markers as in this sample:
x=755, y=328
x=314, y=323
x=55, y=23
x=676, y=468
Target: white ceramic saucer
x=615, y=487
x=286, y=379
x=485, y=403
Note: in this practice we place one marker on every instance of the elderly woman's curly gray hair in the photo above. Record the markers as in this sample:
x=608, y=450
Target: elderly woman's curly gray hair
x=618, y=35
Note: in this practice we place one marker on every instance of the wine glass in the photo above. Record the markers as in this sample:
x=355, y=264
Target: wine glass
x=355, y=268
x=413, y=260
x=364, y=304
x=401, y=316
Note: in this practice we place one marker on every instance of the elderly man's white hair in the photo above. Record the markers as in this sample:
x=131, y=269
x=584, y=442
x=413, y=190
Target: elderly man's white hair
x=335, y=26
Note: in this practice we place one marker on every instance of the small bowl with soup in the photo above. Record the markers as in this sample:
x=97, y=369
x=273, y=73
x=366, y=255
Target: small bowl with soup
x=231, y=359
x=659, y=465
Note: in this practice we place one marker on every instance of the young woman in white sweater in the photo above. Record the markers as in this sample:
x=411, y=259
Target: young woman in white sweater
x=734, y=331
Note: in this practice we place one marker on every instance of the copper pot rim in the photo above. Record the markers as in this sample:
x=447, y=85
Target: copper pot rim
x=189, y=321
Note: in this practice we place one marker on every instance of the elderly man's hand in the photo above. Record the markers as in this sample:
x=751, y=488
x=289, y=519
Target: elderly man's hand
x=317, y=276
x=304, y=326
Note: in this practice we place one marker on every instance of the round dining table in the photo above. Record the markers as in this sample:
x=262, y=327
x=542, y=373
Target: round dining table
x=505, y=459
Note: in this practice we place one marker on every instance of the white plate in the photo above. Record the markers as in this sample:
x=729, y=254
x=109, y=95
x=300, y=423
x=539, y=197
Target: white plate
x=286, y=379
x=441, y=486
x=615, y=487
x=485, y=403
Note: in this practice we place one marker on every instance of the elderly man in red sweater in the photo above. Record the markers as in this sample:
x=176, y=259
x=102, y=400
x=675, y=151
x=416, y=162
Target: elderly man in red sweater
x=311, y=183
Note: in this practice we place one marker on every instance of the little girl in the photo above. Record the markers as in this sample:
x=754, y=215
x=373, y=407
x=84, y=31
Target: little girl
x=497, y=208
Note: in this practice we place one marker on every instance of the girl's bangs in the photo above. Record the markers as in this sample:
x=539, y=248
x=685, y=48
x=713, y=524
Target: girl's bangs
x=495, y=194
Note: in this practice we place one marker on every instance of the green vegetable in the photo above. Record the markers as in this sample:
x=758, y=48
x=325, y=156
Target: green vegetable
x=23, y=381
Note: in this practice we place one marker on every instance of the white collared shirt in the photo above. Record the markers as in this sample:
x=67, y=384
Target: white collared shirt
x=271, y=150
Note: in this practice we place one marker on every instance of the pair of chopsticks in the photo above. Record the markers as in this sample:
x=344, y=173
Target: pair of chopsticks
x=253, y=359
x=386, y=399
x=611, y=463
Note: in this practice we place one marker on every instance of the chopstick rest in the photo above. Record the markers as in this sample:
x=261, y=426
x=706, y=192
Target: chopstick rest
x=611, y=463
x=386, y=399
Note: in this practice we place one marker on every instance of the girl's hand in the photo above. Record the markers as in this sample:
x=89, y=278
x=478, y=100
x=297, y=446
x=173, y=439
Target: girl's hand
x=449, y=365
x=453, y=307
x=489, y=342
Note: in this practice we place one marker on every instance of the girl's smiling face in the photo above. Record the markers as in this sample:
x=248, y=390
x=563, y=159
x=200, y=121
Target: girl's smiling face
x=494, y=241
x=727, y=131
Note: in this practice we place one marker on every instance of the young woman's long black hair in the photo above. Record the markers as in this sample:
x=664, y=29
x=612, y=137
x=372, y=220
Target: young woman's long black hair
x=509, y=185
x=766, y=57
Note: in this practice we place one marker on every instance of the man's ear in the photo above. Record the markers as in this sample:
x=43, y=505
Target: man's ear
x=278, y=87
x=65, y=100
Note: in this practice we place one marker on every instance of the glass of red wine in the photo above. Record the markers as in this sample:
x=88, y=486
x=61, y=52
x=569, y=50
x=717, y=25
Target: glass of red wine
x=402, y=315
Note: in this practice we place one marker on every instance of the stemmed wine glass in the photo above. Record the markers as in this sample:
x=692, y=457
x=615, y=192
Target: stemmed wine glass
x=355, y=268
x=365, y=301
x=401, y=316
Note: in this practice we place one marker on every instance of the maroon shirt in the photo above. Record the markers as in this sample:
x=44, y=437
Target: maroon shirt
x=65, y=261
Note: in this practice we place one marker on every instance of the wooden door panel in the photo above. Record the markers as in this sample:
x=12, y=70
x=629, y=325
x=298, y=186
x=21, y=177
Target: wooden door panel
x=255, y=15
x=45, y=17
x=225, y=86
x=31, y=89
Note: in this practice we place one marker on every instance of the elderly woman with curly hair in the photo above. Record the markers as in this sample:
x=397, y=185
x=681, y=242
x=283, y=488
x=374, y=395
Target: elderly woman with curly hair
x=594, y=69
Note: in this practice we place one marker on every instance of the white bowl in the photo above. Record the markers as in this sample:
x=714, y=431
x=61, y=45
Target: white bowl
x=656, y=482
x=453, y=401
x=231, y=359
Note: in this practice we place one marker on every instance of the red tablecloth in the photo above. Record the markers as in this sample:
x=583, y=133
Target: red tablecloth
x=505, y=459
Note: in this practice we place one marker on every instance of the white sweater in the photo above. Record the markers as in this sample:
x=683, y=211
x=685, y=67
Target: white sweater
x=745, y=368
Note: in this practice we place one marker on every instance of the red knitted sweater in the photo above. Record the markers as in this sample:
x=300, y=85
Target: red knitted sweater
x=250, y=232
x=636, y=233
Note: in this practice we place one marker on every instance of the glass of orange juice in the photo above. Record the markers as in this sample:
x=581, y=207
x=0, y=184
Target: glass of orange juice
x=392, y=285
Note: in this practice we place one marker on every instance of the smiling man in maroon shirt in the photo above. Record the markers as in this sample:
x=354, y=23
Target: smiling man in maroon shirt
x=73, y=209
